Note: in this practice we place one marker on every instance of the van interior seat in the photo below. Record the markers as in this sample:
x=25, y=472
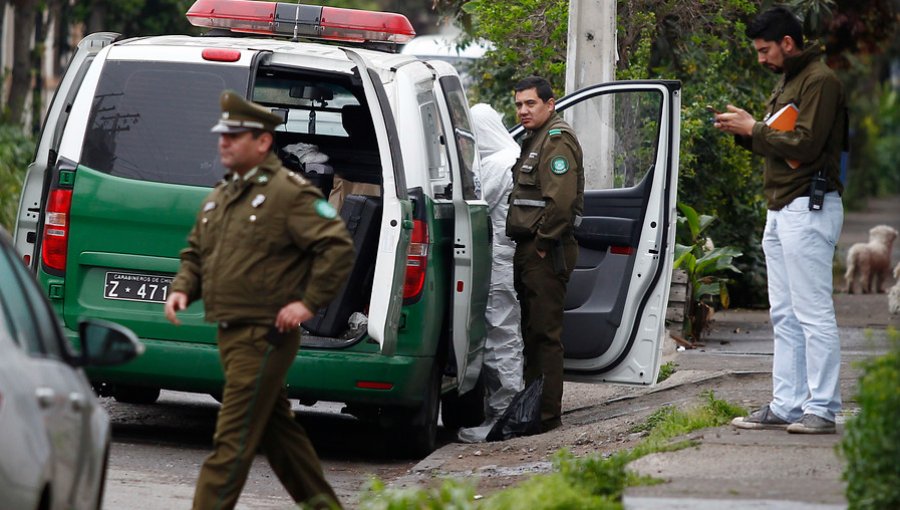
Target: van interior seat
x=357, y=122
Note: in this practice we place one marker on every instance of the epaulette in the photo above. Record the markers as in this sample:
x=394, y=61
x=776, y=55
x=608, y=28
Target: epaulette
x=555, y=132
x=297, y=178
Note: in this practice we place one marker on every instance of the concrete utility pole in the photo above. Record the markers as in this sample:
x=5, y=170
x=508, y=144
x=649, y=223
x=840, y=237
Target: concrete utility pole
x=591, y=59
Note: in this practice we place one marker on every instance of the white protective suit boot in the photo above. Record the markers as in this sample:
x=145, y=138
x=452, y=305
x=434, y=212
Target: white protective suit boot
x=503, y=356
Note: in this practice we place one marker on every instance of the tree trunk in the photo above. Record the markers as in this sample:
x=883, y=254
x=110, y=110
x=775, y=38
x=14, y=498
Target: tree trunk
x=97, y=21
x=23, y=34
x=37, y=56
x=58, y=20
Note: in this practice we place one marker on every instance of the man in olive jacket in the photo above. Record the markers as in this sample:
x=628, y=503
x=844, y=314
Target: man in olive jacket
x=801, y=165
x=546, y=201
x=267, y=251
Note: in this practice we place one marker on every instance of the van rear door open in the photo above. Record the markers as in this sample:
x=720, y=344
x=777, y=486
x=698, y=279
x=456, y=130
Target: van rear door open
x=396, y=217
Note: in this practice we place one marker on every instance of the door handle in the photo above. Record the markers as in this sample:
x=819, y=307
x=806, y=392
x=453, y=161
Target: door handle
x=45, y=397
x=76, y=400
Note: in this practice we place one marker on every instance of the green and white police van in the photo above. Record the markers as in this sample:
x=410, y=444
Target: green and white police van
x=126, y=156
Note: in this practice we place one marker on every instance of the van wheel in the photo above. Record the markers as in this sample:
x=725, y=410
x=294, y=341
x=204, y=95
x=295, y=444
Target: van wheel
x=135, y=394
x=417, y=435
x=466, y=410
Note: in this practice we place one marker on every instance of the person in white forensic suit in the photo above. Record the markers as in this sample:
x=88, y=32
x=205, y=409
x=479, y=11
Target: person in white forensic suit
x=503, y=357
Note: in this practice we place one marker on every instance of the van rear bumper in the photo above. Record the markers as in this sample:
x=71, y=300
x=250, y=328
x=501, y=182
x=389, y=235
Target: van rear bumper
x=317, y=374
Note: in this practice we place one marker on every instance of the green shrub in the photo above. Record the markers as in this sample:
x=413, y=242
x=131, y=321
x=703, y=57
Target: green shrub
x=16, y=150
x=666, y=370
x=705, y=266
x=871, y=442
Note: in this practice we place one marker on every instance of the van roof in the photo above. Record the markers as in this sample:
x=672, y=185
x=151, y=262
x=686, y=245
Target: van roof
x=309, y=54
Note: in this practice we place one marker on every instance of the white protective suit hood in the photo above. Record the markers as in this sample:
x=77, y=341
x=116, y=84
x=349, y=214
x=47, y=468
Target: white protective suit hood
x=498, y=153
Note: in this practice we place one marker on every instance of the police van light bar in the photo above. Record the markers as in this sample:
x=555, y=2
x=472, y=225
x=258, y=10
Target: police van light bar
x=299, y=20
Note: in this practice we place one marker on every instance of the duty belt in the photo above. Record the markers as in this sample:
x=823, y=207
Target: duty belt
x=543, y=203
x=529, y=203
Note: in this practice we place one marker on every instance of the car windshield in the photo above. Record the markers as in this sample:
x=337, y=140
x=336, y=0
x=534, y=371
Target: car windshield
x=151, y=121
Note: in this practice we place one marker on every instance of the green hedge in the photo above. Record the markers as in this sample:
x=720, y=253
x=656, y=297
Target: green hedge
x=16, y=150
x=871, y=442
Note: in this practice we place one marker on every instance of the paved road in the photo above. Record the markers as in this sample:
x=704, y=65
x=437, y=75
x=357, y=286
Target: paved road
x=157, y=451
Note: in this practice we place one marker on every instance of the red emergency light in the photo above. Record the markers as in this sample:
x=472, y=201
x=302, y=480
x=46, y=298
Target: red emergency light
x=300, y=20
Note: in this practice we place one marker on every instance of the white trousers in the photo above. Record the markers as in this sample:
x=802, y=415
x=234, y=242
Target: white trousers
x=799, y=245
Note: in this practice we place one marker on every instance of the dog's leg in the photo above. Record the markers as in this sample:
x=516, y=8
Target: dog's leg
x=849, y=275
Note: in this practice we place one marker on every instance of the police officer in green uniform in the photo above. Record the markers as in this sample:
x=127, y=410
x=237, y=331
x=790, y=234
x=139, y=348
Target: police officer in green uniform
x=266, y=252
x=546, y=202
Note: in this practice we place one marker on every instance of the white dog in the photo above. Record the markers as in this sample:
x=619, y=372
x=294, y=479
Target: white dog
x=870, y=262
x=894, y=293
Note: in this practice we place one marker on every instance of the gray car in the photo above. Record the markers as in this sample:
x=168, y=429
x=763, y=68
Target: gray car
x=54, y=434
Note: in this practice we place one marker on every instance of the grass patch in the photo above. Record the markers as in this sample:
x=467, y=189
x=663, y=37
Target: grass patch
x=593, y=482
x=666, y=371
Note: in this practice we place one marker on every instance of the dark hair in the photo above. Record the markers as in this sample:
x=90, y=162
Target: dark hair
x=774, y=24
x=541, y=86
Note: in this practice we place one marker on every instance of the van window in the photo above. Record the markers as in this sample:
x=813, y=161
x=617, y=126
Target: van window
x=150, y=121
x=24, y=320
x=437, y=160
x=462, y=132
x=618, y=132
x=313, y=106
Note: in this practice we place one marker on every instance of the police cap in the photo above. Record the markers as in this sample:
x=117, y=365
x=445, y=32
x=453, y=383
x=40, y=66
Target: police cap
x=239, y=115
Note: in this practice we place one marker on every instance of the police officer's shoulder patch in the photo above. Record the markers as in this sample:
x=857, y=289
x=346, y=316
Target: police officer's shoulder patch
x=554, y=132
x=559, y=165
x=324, y=209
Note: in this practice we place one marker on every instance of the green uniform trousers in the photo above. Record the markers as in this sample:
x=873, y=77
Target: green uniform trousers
x=255, y=412
x=541, y=287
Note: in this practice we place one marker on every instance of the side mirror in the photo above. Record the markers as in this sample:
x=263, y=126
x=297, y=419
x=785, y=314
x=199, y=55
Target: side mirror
x=106, y=343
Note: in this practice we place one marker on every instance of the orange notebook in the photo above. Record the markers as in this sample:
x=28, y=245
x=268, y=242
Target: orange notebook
x=784, y=120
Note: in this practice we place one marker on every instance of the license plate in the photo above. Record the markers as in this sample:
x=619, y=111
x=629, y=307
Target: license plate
x=137, y=287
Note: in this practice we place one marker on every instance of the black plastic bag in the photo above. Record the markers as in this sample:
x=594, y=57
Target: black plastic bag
x=523, y=416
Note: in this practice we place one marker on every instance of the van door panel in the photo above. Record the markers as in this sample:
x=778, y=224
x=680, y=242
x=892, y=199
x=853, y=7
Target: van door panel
x=396, y=219
x=472, y=237
x=112, y=234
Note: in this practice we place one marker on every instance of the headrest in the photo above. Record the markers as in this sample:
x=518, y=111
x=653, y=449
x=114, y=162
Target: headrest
x=358, y=123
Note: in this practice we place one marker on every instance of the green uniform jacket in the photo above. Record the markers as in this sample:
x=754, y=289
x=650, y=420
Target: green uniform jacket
x=548, y=186
x=818, y=136
x=262, y=243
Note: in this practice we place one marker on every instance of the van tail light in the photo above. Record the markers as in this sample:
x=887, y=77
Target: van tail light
x=56, y=229
x=416, y=261
x=300, y=20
